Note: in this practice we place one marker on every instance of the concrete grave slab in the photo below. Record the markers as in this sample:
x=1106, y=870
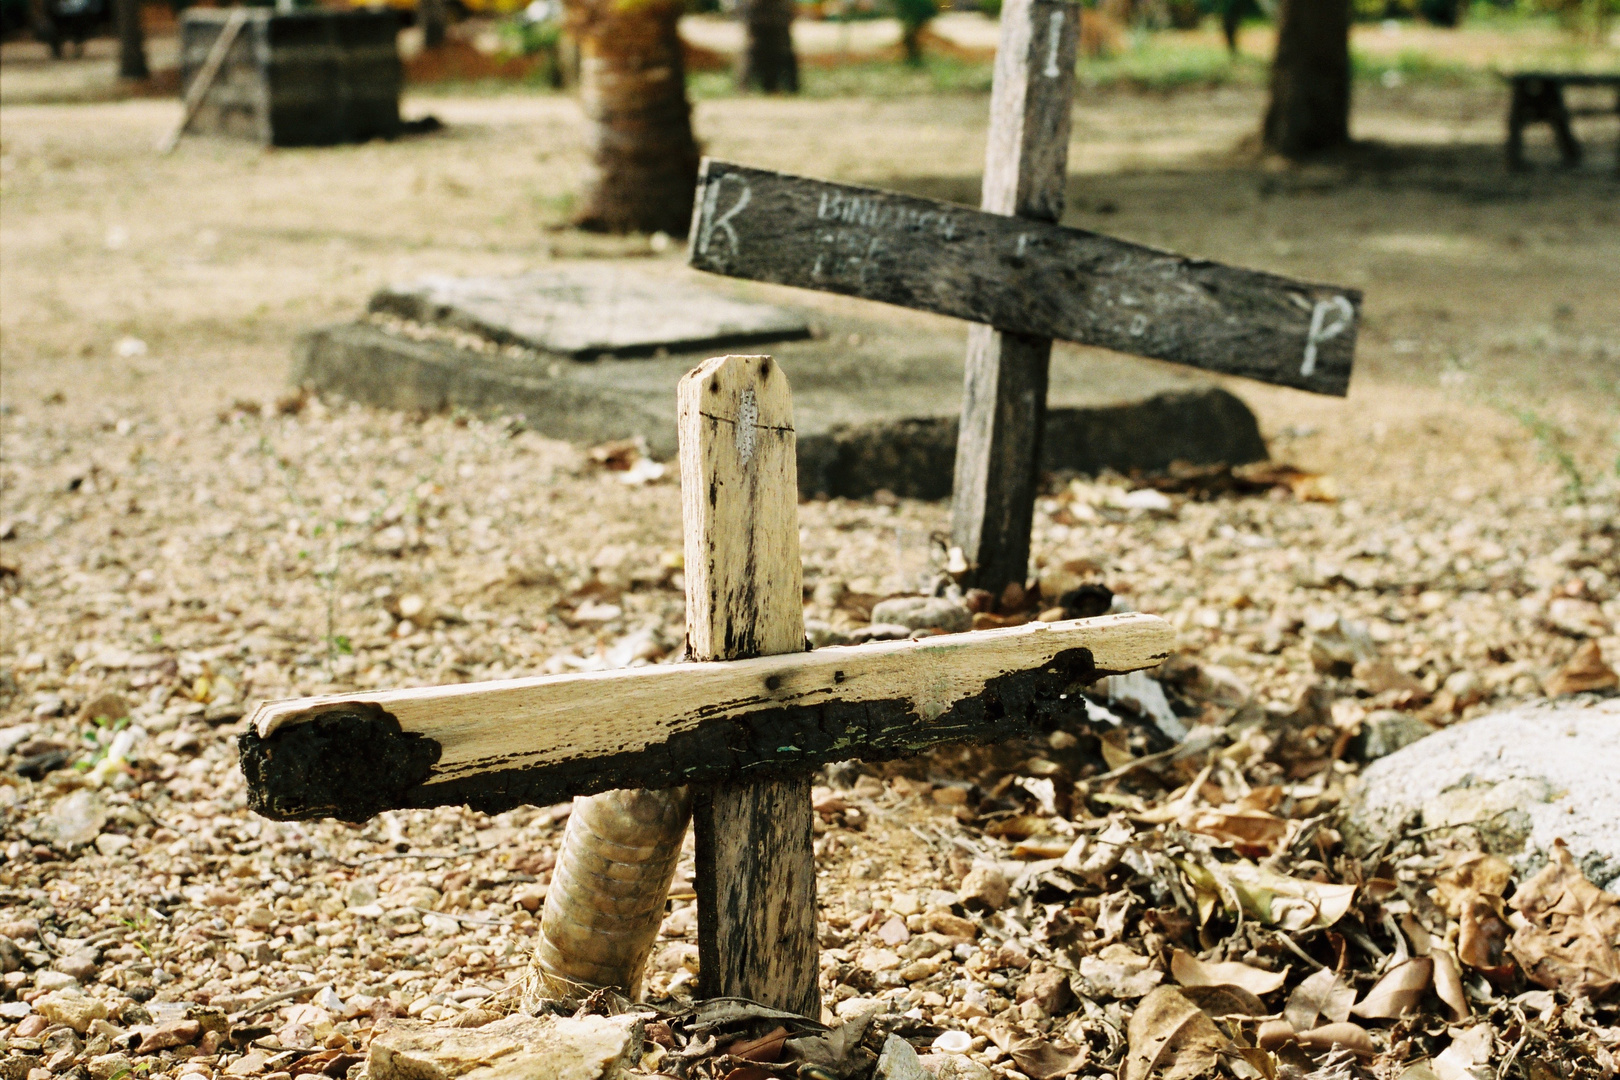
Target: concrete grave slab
x=876, y=393
x=588, y=309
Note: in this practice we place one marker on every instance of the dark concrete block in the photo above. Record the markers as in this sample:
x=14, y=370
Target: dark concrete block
x=306, y=78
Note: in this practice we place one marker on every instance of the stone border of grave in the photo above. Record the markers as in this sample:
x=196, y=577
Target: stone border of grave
x=912, y=457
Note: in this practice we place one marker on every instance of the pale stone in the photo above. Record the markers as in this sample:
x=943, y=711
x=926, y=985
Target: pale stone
x=72, y=1008
x=516, y=1048
x=899, y=1062
x=923, y=613
x=879, y=960
x=984, y=889
x=1521, y=779
x=75, y=820
x=110, y=1066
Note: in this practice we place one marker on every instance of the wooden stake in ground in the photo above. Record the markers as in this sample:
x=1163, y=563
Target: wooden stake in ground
x=1025, y=278
x=756, y=872
x=1004, y=391
x=742, y=732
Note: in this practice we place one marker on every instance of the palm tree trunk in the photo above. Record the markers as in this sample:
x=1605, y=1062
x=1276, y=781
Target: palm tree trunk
x=644, y=160
x=768, y=62
x=131, y=40
x=1310, y=79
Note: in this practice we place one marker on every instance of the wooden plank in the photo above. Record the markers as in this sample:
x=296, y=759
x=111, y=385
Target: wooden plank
x=495, y=745
x=740, y=510
x=198, y=89
x=998, y=447
x=998, y=454
x=756, y=866
x=1023, y=276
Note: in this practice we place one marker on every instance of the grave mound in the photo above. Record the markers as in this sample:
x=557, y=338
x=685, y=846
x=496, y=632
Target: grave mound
x=593, y=351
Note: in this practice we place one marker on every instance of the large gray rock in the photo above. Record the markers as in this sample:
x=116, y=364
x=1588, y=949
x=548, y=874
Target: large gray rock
x=1525, y=778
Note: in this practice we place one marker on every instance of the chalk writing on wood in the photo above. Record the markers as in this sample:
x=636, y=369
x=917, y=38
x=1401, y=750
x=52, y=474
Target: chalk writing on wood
x=1024, y=276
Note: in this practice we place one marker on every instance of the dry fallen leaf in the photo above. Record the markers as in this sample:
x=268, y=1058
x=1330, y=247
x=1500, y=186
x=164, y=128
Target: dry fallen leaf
x=1470, y=891
x=1223, y=1001
x=1398, y=991
x=1583, y=672
x=1468, y=1050
x=1274, y=899
x=1040, y=1059
x=1448, y=984
x=1322, y=994
x=1188, y=970
x=1566, y=930
x=1251, y=832
x=1353, y=1037
x=1169, y=1030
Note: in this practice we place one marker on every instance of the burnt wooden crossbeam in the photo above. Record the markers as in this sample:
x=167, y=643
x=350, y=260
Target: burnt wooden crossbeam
x=495, y=745
x=1030, y=277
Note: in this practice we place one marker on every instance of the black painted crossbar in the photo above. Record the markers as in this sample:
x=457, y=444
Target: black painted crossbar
x=1024, y=276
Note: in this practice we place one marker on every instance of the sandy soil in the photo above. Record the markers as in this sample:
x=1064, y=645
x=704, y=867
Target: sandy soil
x=177, y=545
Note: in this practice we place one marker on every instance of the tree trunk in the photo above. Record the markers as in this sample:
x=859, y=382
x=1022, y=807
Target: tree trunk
x=131, y=40
x=435, y=18
x=644, y=160
x=768, y=62
x=1310, y=79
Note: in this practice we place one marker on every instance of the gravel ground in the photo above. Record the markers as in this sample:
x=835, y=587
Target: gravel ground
x=168, y=557
x=172, y=571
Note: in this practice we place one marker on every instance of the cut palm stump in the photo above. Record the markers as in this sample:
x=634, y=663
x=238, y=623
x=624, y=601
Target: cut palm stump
x=1026, y=279
x=742, y=725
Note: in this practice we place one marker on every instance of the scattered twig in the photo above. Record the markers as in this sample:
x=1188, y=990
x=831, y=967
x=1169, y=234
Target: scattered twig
x=275, y=999
x=1294, y=948
x=1460, y=824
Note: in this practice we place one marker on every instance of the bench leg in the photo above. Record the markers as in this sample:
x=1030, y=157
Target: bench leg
x=1518, y=115
x=1558, y=117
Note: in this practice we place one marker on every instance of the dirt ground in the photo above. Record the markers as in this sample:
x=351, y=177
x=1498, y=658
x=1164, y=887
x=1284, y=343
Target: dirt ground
x=175, y=537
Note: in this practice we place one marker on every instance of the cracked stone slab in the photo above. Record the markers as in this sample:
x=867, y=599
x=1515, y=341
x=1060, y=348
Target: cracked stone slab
x=589, y=309
x=1523, y=778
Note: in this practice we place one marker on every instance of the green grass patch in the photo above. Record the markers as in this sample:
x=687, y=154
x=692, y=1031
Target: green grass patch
x=1412, y=66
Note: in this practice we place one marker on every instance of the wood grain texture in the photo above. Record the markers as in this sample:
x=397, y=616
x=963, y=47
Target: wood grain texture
x=756, y=868
x=539, y=740
x=740, y=510
x=998, y=448
x=998, y=454
x=1028, y=277
x=1027, y=153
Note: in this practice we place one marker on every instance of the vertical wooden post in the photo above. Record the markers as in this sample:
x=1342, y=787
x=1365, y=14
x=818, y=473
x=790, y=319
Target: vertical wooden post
x=1004, y=394
x=756, y=882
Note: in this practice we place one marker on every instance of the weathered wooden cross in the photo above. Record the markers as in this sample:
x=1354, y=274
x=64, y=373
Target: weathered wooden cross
x=743, y=724
x=1023, y=280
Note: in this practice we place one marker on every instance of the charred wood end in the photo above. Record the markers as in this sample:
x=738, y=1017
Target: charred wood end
x=351, y=764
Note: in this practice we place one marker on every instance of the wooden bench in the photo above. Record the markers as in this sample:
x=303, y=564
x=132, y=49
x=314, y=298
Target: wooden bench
x=1538, y=97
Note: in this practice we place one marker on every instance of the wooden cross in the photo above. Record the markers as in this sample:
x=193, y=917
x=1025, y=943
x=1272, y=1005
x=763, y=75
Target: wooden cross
x=744, y=723
x=1023, y=279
